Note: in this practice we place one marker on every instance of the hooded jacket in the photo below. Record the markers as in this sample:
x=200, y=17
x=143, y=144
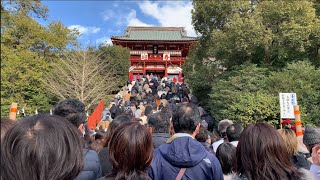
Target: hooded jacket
x=184, y=152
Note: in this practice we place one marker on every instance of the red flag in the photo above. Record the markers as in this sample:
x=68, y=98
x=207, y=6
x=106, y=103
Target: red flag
x=96, y=116
x=130, y=76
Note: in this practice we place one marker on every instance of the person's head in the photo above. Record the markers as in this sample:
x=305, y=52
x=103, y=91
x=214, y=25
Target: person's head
x=6, y=125
x=73, y=110
x=42, y=147
x=286, y=124
x=99, y=142
x=203, y=135
x=234, y=131
x=262, y=154
x=119, y=120
x=157, y=123
x=311, y=137
x=131, y=151
x=226, y=154
x=186, y=119
x=148, y=110
x=222, y=127
x=290, y=140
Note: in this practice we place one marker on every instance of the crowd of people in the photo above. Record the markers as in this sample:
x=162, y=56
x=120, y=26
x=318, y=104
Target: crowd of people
x=154, y=129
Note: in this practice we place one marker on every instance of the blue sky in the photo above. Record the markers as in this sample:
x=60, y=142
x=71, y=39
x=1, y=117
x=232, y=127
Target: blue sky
x=98, y=20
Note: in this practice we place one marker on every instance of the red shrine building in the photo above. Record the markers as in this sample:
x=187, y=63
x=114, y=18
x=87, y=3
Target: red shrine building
x=158, y=50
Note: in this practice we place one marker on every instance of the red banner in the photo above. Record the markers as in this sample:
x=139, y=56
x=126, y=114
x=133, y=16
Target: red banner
x=96, y=116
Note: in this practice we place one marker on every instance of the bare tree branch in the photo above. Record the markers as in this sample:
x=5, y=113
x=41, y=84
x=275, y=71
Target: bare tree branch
x=81, y=75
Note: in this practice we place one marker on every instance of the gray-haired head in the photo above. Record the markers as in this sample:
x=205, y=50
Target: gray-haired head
x=223, y=125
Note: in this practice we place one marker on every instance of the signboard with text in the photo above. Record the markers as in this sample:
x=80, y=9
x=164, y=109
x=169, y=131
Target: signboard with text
x=144, y=56
x=287, y=102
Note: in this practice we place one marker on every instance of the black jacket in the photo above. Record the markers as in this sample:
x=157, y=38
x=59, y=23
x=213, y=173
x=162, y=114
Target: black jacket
x=106, y=165
x=159, y=139
x=300, y=161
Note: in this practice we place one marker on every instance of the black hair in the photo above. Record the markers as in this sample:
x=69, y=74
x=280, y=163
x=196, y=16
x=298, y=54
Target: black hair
x=42, y=147
x=186, y=118
x=159, y=122
x=71, y=109
x=226, y=154
x=147, y=110
x=234, y=132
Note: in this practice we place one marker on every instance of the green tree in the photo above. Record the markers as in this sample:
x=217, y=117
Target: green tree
x=27, y=48
x=270, y=34
x=240, y=95
x=119, y=59
x=249, y=94
x=302, y=78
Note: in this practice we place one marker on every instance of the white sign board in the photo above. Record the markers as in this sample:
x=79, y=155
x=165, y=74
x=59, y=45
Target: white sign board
x=144, y=56
x=174, y=70
x=166, y=57
x=287, y=102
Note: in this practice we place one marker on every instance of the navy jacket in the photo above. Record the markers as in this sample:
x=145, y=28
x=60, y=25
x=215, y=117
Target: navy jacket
x=184, y=152
x=91, y=169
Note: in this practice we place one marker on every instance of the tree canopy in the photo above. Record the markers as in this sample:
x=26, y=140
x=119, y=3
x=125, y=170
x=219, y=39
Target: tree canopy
x=27, y=48
x=31, y=54
x=244, y=47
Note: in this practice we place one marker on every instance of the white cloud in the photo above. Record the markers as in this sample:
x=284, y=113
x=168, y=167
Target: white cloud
x=132, y=19
x=170, y=13
x=85, y=29
x=108, y=14
x=104, y=40
x=120, y=17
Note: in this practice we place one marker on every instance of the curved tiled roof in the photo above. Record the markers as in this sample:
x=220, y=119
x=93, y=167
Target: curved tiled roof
x=155, y=33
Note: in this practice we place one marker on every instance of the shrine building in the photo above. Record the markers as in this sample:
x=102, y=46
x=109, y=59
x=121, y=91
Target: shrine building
x=158, y=50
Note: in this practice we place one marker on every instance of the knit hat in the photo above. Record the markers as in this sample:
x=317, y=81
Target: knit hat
x=311, y=136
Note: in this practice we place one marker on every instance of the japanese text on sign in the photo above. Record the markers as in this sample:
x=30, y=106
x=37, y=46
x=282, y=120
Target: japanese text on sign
x=287, y=102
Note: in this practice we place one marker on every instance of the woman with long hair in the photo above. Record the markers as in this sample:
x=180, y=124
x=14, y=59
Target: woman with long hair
x=291, y=142
x=131, y=152
x=106, y=165
x=262, y=154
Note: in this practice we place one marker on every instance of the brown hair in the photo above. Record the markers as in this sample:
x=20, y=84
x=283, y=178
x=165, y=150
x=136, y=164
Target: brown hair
x=119, y=120
x=6, y=124
x=203, y=135
x=131, y=151
x=261, y=154
x=99, y=142
x=290, y=140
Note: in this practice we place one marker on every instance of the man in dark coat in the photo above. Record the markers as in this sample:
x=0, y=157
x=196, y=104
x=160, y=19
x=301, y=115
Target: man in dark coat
x=158, y=124
x=183, y=156
x=74, y=111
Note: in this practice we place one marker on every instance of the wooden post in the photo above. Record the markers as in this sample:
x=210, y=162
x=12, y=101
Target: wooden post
x=280, y=123
x=13, y=111
x=297, y=120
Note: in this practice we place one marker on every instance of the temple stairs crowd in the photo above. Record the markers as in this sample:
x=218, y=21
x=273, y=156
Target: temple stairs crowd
x=153, y=129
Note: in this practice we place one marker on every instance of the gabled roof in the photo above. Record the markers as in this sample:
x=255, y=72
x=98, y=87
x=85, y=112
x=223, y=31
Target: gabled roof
x=155, y=33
